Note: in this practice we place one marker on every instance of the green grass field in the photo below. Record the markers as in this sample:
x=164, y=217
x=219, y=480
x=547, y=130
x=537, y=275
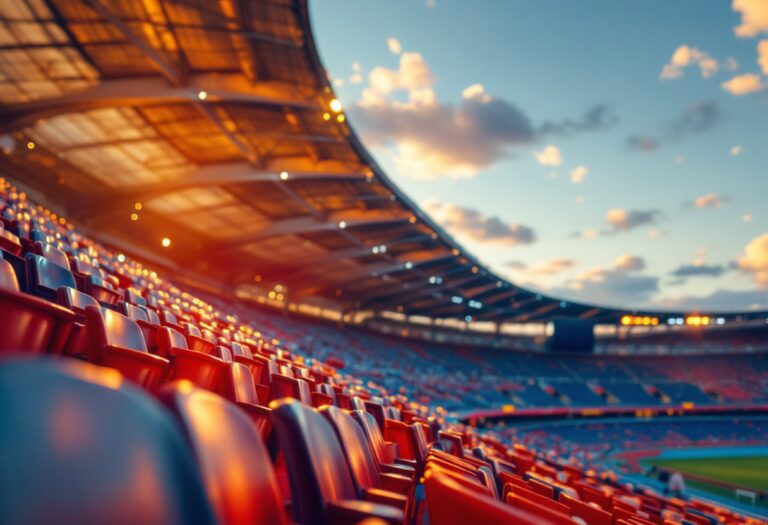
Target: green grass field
x=746, y=472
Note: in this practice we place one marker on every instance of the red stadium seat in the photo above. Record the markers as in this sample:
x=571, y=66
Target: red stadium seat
x=77, y=344
x=29, y=324
x=81, y=445
x=233, y=461
x=590, y=514
x=92, y=281
x=371, y=484
x=451, y=503
x=140, y=316
x=116, y=341
x=9, y=242
x=283, y=387
x=322, y=488
x=204, y=370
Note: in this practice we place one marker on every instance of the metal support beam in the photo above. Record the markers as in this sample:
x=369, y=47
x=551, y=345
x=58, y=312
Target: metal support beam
x=175, y=73
x=138, y=92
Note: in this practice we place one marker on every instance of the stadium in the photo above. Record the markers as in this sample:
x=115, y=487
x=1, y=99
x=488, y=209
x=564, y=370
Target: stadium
x=219, y=306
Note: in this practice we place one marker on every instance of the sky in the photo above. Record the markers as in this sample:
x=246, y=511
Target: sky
x=608, y=152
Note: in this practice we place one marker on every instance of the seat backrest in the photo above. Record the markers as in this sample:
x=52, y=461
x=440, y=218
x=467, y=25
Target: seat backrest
x=133, y=296
x=133, y=312
x=317, y=468
x=373, y=433
x=8, y=279
x=233, y=460
x=173, y=338
x=240, y=350
x=46, y=277
x=365, y=471
x=74, y=299
x=167, y=317
x=114, y=329
x=52, y=254
x=151, y=315
x=87, y=447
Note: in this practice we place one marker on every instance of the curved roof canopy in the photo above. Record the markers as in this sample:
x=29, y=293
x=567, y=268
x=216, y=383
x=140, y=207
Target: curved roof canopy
x=213, y=124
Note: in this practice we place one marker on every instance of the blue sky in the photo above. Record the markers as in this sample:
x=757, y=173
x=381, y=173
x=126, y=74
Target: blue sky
x=606, y=151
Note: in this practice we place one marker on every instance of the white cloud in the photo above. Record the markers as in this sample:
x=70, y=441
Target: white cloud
x=743, y=84
x=413, y=75
x=578, y=174
x=549, y=156
x=621, y=219
x=473, y=225
x=755, y=259
x=394, y=46
x=762, y=55
x=754, y=17
x=736, y=150
x=710, y=200
x=475, y=92
x=430, y=139
x=549, y=268
x=747, y=217
x=629, y=263
x=685, y=56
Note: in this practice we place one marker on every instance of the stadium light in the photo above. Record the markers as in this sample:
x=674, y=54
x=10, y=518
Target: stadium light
x=335, y=105
x=202, y=94
x=166, y=242
x=283, y=175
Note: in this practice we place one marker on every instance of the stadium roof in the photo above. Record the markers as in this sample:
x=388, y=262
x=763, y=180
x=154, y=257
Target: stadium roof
x=213, y=124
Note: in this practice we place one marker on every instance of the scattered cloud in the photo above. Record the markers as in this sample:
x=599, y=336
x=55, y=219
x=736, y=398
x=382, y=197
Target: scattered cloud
x=730, y=64
x=697, y=118
x=515, y=265
x=553, y=267
x=549, y=156
x=578, y=174
x=743, y=84
x=394, y=46
x=694, y=120
x=618, y=285
x=710, y=200
x=475, y=226
x=357, y=76
x=755, y=259
x=754, y=17
x=430, y=139
x=762, y=55
x=595, y=118
x=629, y=263
x=747, y=217
x=736, y=150
x=699, y=270
x=623, y=220
x=685, y=56
x=717, y=301
x=641, y=143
